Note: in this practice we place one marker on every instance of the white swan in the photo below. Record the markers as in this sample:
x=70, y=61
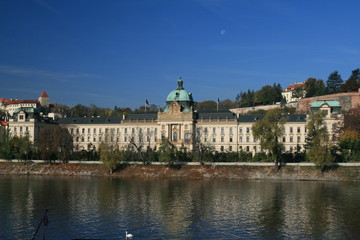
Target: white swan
x=128, y=235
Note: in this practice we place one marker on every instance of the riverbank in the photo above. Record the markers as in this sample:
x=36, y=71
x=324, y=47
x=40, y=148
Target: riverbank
x=237, y=171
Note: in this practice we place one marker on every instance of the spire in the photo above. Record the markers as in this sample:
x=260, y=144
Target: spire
x=180, y=84
x=44, y=94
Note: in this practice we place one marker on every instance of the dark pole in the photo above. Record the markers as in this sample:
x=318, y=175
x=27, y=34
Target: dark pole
x=42, y=219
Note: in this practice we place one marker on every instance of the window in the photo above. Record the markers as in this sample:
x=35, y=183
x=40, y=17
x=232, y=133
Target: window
x=222, y=130
x=94, y=139
x=214, y=139
x=175, y=136
x=118, y=130
x=117, y=139
x=148, y=130
x=247, y=139
x=21, y=129
x=125, y=130
x=83, y=130
x=230, y=139
x=205, y=139
x=155, y=130
x=298, y=129
x=133, y=130
x=240, y=130
x=100, y=130
x=163, y=137
x=284, y=139
x=247, y=130
x=94, y=131
x=230, y=148
x=71, y=130
x=148, y=138
x=222, y=139
x=21, y=117
x=214, y=130
x=88, y=139
x=14, y=129
x=222, y=148
x=291, y=129
x=298, y=139
x=89, y=130
x=231, y=130
x=240, y=139
x=206, y=130
x=291, y=139
x=186, y=137
x=82, y=139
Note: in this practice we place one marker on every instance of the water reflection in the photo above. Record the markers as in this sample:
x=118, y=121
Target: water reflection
x=84, y=207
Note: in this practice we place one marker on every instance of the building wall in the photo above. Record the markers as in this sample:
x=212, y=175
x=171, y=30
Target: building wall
x=347, y=101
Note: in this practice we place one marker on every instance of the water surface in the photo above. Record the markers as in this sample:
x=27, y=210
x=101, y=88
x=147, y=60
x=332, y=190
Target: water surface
x=104, y=208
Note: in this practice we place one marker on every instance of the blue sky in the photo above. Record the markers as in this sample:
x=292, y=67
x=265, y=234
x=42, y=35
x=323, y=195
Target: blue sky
x=121, y=52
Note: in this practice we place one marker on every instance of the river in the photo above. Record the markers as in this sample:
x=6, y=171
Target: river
x=104, y=208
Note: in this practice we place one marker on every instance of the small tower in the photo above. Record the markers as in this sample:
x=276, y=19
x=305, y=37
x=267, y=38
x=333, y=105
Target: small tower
x=44, y=99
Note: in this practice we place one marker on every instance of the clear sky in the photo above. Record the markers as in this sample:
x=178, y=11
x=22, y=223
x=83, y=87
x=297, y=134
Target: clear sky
x=121, y=52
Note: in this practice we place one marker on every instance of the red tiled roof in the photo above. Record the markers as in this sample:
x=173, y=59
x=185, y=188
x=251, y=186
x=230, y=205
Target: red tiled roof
x=293, y=86
x=10, y=101
x=44, y=94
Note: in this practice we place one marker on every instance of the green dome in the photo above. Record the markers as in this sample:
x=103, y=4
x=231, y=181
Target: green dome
x=181, y=96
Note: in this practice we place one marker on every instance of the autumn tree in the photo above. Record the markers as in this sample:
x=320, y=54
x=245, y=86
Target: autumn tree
x=349, y=141
x=318, y=141
x=268, y=131
x=109, y=155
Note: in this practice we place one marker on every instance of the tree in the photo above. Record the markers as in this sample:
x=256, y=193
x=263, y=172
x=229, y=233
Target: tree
x=206, y=105
x=54, y=142
x=268, y=95
x=314, y=87
x=318, y=141
x=245, y=99
x=109, y=155
x=353, y=83
x=167, y=152
x=201, y=151
x=334, y=83
x=268, y=130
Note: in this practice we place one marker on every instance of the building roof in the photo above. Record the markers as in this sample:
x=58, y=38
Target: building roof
x=89, y=120
x=11, y=101
x=319, y=103
x=255, y=117
x=141, y=116
x=292, y=87
x=44, y=94
x=224, y=114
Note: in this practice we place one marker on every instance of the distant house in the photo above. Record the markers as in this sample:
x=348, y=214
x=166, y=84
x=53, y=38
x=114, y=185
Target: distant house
x=11, y=105
x=293, y=92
